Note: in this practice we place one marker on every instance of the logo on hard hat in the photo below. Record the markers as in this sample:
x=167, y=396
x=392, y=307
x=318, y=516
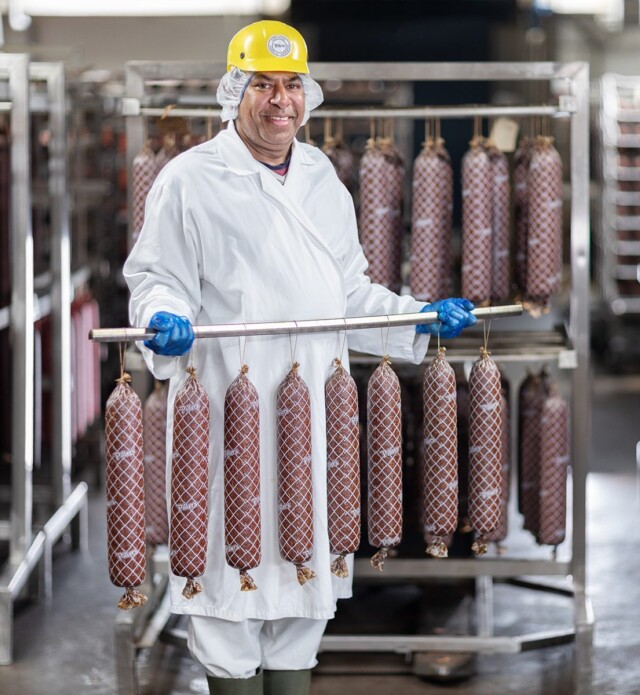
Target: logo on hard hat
x=279, y=46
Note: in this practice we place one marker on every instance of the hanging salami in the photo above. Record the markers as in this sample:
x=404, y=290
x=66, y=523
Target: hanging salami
x=144, y=172
x=378, y=215
x=396, y=222
x=500, y=225
x=521, y=159
x=343, y=466
x=242, y=519
x=125, y=492
x=531, y=398
x=431, y=219
x=500, y=533
x=554, y=460
x=440, y=454
x=341, y=157
x=544, y=240
x=462, y=407
x=295, y=487
x=384, y=448
x=189, y=484
x=484, y=449
x=477, y=196
x=155, y=464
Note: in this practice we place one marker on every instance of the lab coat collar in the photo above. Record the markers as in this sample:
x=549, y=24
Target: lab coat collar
x=241, y=162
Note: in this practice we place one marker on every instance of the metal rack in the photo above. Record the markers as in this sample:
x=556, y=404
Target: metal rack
x=565, y=348
x=31, y=549
x=619, y=239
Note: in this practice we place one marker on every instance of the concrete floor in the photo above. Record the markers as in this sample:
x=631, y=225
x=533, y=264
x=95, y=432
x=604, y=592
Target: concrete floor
x=66, y=645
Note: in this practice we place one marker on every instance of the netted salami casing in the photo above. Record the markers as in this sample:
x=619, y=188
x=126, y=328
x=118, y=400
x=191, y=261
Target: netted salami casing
x=155, y=464
x=521, y=160
x=500, y=225
x=125, y=492
x=384, y=474
x=462, y=403
x=189, y=484
x=554, y=460
x=295, y=486
x=440, y=454
x=379, y=215
x=343, y=466
x=484, y=448
x=544, y=240
x=143, y=172
x=242, y=518
x=477, y=196
x=532, y=395
x=341, y=156
x=501, y=530
x=431, y=219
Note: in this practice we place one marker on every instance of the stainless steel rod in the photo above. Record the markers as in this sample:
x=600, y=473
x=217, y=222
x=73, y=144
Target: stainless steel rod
x=116, y=335
x=377, y=111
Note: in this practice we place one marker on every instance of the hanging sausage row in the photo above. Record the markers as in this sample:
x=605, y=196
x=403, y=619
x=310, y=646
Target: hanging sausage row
x=478, y=470
x=509, y=248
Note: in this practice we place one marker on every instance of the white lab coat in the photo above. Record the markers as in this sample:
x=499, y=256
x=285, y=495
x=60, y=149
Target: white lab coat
x=225, y=242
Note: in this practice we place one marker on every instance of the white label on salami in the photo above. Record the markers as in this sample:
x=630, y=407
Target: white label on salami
x=186, y=506
x=488, y=494
x=126, y=554
x=390, y=453
x=121, y=455
x=188, y=408
x=489, y=407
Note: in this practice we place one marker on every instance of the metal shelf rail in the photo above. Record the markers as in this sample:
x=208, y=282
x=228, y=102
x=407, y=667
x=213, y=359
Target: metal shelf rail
x=618, y=257
x=30, y=550
x=565, y=349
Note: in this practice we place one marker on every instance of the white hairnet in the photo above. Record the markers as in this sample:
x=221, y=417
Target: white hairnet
x=233, y=83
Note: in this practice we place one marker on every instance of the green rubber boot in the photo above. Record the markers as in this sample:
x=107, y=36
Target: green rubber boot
x=287, y=682
x=236, y=686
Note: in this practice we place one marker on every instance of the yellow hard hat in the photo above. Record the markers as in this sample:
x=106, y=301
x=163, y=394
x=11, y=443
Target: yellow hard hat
x=268, y=46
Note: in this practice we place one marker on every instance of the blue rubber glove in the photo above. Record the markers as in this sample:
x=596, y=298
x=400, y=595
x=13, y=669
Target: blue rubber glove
x=454, y=317
x=174, y=336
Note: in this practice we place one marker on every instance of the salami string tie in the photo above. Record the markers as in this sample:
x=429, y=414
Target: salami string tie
x=486, y=329
x=343, y=342
x=292, y=347
x=124, y=377
x=385, y=339
x=242, y=347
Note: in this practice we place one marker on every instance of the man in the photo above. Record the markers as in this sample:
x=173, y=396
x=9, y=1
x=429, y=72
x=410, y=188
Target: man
x=255, y=226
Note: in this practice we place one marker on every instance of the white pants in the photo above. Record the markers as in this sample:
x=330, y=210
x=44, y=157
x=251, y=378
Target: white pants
x=238, y=649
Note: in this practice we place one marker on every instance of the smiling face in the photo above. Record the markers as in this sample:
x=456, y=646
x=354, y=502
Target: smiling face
x=270, y=113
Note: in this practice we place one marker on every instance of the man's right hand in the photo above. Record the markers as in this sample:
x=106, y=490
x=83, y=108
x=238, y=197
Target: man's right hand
x=174, y=334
